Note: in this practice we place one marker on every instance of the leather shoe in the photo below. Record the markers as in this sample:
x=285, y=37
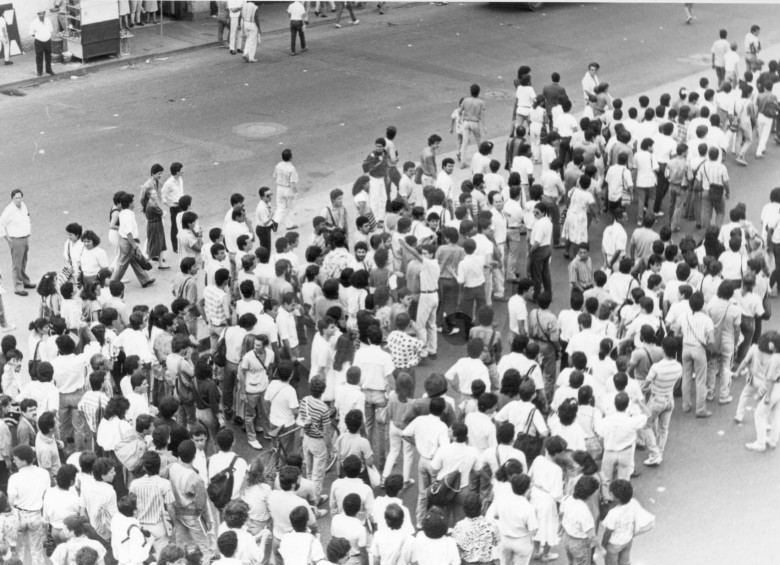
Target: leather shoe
x=148, y=283
x=29, y=285
x=21, y=292
x=704, y=414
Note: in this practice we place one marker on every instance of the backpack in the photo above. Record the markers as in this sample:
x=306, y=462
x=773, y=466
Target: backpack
x=530, y=445
x=492, y=351
x=220, y=489
x=771, y=109
x=130, y=451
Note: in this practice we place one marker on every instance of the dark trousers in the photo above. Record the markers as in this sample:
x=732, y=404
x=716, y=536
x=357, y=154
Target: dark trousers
x=228, y=385
x=448, y=298
x=555, y=217
x=296, y=29
x=5, y=472
x=174, y=229
x=662, y=187
x=539, y=266
x=565, y=150
x=43, y=49
x=264, y=236
x=774, y=278
x=472, y=299
x=348, y=6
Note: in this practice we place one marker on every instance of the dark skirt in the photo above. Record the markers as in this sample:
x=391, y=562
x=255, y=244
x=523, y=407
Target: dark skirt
x=155, y=239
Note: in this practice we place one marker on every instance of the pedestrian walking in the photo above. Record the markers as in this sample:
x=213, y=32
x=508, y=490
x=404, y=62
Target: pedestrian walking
x=41, y=31
x=286, y=178
x=348, y=6
x=128, y=243
x=720, y=48
x=298, y=19
x=473, y=118
x=15, y=226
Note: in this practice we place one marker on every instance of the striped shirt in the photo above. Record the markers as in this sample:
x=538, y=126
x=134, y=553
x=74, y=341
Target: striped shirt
x=214, y=305
x=89, y=405
x=662, y=377
x=581, y=272
x=153, y=494
x=316, y=416
x=696, y=328
x=99, y=500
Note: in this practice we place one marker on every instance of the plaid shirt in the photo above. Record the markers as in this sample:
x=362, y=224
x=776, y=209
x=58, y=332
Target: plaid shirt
x=404, y=349
x=213, y=304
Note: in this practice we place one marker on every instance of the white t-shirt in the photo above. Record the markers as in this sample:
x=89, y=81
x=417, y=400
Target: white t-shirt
x=442, y=551
x=283, y=401
x=468, y=370
x=349, y=528
x=221, y=461
x=517, y=312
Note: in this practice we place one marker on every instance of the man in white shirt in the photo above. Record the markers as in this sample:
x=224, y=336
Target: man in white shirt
x=541, y=250
x=376, y=366
x=284, y=406
x=456, y=456
x=15, y=226
x=427, y=433
x=226, y=458
x=614, y=240
x=26, y=488
x=731, y=65
x=710, y=173
x=128, y=236
x=469, y=369
x=41, y=31
x=499, y=227
x=70, y=374
x=172, y=190
x=444, y=178
x=590, y=81
x=719, y=49
x=619, y=432
x=517, y=309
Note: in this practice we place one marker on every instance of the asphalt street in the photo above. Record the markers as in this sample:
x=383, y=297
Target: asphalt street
x=71, y=145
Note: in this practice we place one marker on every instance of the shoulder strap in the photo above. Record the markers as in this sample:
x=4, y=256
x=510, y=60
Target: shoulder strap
x=330, y=213
x=261, y=361
x=530, y=420
x=233, y=464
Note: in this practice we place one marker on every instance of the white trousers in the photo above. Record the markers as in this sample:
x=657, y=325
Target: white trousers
x=284, y=202
x=250, y=47
x=234, y=29
x=764, y=127
x=377, y=197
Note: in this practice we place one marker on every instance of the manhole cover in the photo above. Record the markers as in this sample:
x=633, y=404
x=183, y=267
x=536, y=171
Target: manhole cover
x=259, y=130
x=496, y=95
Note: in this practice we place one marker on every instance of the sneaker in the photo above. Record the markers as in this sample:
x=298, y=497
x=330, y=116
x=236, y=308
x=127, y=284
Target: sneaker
x=356, y=22
x=726, y=400
x=704, y=414
x=652, y=461
x=738, y=420
x=755, y=446
x=710, y=396
x=254, y=444
x=322, y=512
x=741, y=162
x=454, y=331
x=439, y=329
x=548, y=557
x=338, y=26
x=407, y=484
x=322, y=499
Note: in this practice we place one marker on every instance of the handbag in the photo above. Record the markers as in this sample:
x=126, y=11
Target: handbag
x=141, y=258
x=443, y=492
x=50, y=544
x=530, y=445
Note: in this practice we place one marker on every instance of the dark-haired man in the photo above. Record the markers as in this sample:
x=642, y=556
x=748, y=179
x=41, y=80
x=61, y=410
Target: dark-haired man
x=191, y=518
x=154, y=497
x=171, y=191
x=15, y=227
x=26, y=489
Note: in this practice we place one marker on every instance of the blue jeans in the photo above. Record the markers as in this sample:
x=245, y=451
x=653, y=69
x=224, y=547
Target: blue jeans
x=376, y=433
x=657, y=429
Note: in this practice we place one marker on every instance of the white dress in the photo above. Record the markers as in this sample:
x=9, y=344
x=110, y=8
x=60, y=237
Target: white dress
x=575, y=228
x=333, y=381
x=546, y=491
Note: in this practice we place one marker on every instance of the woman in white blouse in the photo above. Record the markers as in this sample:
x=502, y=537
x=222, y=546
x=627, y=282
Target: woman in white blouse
x=525, y=100
x=93, y=257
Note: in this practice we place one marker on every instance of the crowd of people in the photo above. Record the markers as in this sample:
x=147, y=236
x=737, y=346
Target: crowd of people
x=118, y=442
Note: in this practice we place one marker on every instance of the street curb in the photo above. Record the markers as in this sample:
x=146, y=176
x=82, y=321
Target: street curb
x=111, y=63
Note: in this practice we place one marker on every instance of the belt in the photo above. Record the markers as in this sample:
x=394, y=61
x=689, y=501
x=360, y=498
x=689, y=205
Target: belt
x=513, y=227
x=500, y=242
x=25, y=510
x=621, y=449
x=428, y=291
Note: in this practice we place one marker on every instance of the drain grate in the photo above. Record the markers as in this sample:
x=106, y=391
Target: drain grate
x=13, y=92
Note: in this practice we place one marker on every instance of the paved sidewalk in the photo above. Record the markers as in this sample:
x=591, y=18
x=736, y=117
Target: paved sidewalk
x=169, y=38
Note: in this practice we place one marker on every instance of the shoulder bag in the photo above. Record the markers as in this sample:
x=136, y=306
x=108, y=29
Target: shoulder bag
x=530, y=445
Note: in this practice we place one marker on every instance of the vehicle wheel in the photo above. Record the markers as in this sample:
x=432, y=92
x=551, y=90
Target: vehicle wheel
x=534, y=6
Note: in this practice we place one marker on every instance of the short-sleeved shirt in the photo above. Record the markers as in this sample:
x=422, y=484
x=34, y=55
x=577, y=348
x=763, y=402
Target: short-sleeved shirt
x=576, y=518
x=283, y=401
x=719, y=49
